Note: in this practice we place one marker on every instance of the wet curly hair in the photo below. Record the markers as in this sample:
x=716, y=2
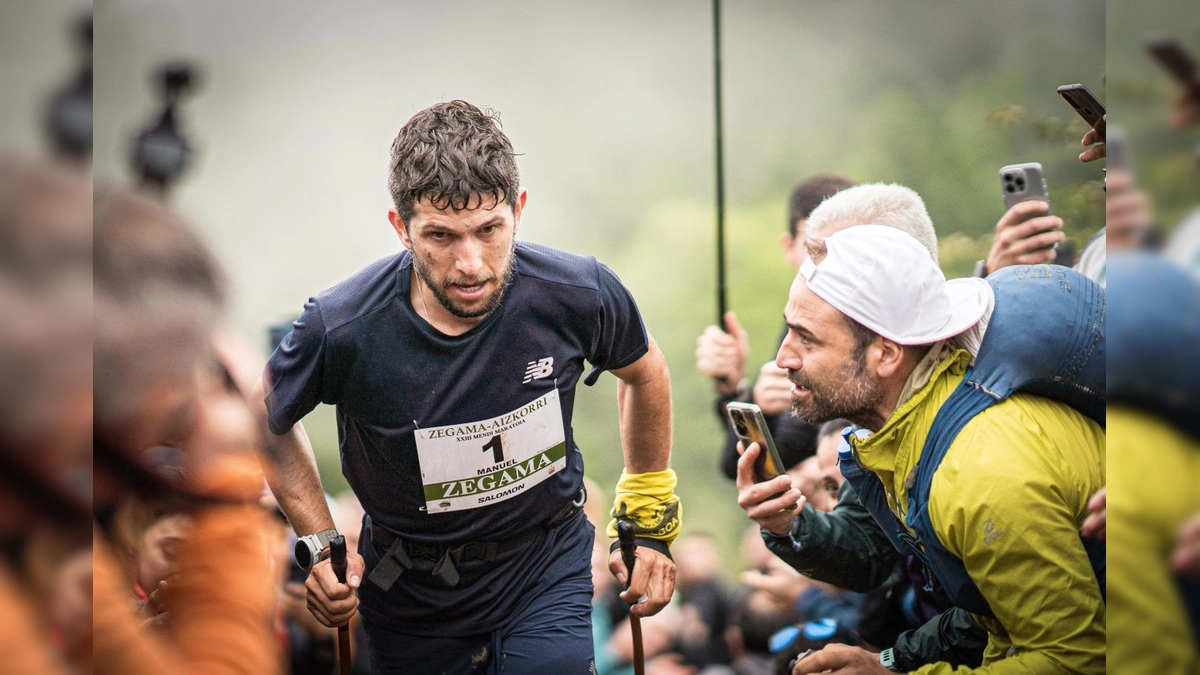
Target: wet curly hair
x=455, y=155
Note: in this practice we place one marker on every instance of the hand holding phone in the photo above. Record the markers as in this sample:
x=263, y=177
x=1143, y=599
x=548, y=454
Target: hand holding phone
x=1085, y=103
x=750, y=426
x=1027, y=234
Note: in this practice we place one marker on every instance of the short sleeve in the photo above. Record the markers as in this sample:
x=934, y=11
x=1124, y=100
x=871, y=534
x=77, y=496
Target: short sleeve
x=294, y=377
x=621, y=337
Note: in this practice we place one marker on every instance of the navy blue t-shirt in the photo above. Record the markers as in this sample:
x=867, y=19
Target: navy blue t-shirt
x=452, y=439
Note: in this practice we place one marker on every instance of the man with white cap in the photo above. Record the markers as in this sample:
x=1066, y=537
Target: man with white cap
x=876, y=335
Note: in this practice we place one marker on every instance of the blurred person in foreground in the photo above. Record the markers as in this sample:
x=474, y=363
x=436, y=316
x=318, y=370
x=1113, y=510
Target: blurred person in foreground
x=160, y=381
x=45, y=416
x=453, y=366
x=721, y=354
x=1010, y=518
x=1154, y=450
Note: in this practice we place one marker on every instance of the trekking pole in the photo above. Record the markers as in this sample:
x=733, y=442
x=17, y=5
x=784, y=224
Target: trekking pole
x=719, y=143
x=628, y=548
x=337, y=556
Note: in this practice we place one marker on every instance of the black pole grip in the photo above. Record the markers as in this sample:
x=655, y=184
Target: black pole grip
x=628, y=547
x=337, y=556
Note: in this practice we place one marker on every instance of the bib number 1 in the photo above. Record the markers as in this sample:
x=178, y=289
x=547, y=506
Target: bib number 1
x=474, y=464
x=496, y=445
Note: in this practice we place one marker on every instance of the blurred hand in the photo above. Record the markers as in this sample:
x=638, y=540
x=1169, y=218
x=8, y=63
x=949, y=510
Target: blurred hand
x=756, y=498
x=1024, y=235
x=1185, y=108
x=1186, y=560
x=669, y=664
x=330, y=601
x=1095, y=525
x=1126, y=212
x=722, y=355
x=841, y=660
x=653, y=577
x=772, y=390
x=1095, y=139
x=780, y=581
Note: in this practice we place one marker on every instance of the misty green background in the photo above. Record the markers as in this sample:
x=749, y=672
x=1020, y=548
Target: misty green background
x=610, y=104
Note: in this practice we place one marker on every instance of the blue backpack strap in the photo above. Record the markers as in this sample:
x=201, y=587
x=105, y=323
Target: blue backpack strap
x=870, y=493
x=964, y=403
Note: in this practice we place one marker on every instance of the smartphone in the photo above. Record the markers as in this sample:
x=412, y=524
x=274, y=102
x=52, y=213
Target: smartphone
x=1083, y=101
x=1023, y=183
x=1171, y=55
x=750, y=427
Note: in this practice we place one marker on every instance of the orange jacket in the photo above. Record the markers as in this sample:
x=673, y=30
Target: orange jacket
x=220, y=604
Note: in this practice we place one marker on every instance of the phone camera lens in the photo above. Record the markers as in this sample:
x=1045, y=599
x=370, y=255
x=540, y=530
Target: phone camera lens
x=741, y=427
x=1021, y=183
x=1009, y=188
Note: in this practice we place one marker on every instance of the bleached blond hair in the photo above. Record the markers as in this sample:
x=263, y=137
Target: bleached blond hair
x=875, y=204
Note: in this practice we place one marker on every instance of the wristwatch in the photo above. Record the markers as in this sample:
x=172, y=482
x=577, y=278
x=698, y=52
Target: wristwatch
x=887, y=659
x=308, y=548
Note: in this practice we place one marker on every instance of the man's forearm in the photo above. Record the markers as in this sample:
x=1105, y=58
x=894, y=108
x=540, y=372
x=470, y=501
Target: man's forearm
x=644, y=406
x=296, y=483
x=292, y=472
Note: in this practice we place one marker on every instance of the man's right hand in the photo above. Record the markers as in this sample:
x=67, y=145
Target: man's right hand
x=1024, y=236
x=722, y=355
x=771, y=514
x=332, y=602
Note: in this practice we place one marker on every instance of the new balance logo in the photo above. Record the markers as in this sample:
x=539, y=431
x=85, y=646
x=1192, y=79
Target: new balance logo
x=539, y=369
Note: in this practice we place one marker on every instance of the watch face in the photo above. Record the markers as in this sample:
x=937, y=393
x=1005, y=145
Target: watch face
x=303, y=555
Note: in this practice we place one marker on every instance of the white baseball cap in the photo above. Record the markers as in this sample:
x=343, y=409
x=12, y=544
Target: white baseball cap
x=885, y=280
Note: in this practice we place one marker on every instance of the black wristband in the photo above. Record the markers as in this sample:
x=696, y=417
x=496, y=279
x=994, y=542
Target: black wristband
x=652, y=544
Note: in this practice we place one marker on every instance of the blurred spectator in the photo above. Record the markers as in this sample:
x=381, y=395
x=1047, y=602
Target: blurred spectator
x=159, y=381
x=703, y=601
x=757, y=616
x=722, y=354
x=45, y=416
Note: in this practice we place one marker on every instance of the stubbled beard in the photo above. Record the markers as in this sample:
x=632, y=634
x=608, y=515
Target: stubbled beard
x=848, y=394
x=441, y=291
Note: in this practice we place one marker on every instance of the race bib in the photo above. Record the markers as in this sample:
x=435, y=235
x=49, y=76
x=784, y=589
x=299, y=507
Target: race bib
x=465, y=466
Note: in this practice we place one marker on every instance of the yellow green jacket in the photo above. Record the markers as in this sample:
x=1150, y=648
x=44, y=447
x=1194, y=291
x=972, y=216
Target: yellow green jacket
x=1152, y=494
x=1008, y=500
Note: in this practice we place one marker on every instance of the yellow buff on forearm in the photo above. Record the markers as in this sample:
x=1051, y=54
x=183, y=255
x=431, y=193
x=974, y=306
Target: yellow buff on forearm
x=648, y=500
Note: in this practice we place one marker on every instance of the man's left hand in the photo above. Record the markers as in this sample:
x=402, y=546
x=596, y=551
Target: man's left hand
x=841, y=660
x=653, y=577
